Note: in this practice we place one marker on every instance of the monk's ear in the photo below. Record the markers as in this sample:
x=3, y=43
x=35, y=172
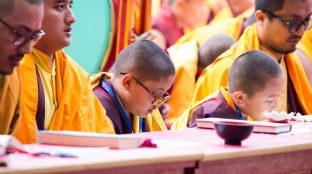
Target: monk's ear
x=259, y=16
x=126, y=81
x=239, y=98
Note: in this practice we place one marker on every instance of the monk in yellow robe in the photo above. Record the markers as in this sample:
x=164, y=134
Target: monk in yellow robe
x=189, y=61
x=55, y=91
x=13, y=45
x=142, y=75
x=232, y=9
x=297, y=93
x=232, y=27
x=304, y=52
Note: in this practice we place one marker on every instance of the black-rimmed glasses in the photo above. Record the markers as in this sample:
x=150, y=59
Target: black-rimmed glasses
x=22, y=38
x=157, y=99
x=293, y=25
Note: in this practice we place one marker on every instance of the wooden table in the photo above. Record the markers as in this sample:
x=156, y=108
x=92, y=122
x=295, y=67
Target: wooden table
x=260, y=153
x=162, y=160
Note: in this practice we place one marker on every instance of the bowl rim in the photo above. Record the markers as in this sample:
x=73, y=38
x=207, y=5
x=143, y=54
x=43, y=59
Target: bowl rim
x=232, y=123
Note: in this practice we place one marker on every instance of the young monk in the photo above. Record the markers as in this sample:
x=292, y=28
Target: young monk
x=255, y=83
x=189, y=60
x=55, y=94
x=142, y=75
x=276, y=37
x=20, y=28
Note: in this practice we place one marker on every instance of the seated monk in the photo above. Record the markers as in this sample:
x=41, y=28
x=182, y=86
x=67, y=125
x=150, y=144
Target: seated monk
x=55, y=94
x=297, y=93
x=232, y=9
x=255, y=83
x=20, y=29
x=189, y=63
x=232, y=27
x=142, y=74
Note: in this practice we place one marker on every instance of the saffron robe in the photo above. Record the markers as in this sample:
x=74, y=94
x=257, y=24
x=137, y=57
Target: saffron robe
x=78, y=108
x=216, y=74
x=9, y=101
x=152, y=122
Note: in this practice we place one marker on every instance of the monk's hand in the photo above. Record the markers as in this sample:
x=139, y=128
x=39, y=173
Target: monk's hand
x=164, y=110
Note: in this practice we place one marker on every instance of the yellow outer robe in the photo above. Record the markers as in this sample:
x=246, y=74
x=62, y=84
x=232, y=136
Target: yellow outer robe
x=78, y=108
x=305, y=44
x=216, y=74
x=154, y=120
x=9, y=102
x=184, y=58
x=231, y=27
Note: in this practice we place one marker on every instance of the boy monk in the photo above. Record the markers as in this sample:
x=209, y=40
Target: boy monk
x=142, y=75
x=55, y=90
x=255, y=84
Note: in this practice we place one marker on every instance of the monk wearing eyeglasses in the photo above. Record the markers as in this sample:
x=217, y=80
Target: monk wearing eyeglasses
x=279, y=26
x=55, y=92
x=142, y=75
x=20, y=28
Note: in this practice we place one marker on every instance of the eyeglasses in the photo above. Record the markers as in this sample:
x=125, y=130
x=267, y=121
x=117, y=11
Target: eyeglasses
x=157, y=100
x=22, y=38
x=293, y=25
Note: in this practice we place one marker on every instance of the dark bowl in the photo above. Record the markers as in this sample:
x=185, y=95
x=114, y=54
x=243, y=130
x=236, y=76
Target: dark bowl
x=233, y=133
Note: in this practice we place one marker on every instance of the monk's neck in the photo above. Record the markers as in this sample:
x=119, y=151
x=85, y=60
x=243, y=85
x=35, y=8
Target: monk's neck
x=274, y=54
x=48, y=52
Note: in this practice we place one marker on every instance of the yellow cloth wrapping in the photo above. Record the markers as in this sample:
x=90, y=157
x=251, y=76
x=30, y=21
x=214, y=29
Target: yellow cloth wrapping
x=181, y=122
x=9, y=101
x=184, y=58
x=305, y=44
x=78, y=108
x=154, y=120
x=231, y=27
x=215, y=75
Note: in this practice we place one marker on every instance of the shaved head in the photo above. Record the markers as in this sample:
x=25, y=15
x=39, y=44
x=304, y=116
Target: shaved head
x=269, y=5
x=7, y=6
x=145, y=60
x=213, y=48
x=251, y=71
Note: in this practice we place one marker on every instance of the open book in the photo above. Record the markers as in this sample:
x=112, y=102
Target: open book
x=86, y=139
x=259, y=126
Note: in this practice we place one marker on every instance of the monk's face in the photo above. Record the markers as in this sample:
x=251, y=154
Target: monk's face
x=264, y=100
x=141, y=98
x=24, y=19
x=57, y=21
x=275, y=28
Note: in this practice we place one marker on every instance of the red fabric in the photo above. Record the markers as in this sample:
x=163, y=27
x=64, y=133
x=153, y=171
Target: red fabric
x=165, y=22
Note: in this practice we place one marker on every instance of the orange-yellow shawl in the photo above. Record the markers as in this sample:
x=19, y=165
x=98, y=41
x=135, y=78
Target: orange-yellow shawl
x=305, y=44
x=78, y=108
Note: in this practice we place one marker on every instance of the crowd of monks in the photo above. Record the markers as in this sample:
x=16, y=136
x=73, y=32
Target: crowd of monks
x=207, y=58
